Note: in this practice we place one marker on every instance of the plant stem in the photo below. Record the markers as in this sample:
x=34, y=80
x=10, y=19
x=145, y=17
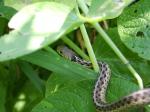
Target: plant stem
x=84, y=8
x=82, y=5
x=75, y=48
x=89, y=47
x=118, y=53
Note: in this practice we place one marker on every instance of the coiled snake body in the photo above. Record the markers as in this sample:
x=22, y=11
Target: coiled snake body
x=138, y=98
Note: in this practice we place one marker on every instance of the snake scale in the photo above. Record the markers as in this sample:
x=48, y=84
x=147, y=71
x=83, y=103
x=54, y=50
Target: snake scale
x=138, y=98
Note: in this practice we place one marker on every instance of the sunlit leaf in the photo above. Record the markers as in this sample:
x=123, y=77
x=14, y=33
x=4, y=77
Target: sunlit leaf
x=36, y=26
x=134, y=28
x=106, y=9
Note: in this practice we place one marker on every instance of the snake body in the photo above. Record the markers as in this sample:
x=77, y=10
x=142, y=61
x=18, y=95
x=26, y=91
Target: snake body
x=138, y=98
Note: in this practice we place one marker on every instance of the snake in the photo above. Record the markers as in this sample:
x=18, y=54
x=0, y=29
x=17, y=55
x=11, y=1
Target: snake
x=137, y=98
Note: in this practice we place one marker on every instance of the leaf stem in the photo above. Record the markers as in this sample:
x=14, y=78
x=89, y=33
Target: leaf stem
x=89, y=47
x=88, y=44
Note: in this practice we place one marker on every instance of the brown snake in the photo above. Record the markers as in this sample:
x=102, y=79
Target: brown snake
x=138, y=98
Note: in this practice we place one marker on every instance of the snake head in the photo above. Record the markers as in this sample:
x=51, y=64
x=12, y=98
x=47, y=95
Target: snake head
x=66, y=52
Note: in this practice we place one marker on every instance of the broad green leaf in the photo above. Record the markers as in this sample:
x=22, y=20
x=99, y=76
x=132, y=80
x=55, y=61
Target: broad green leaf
x=19, y=4
x=36, y=26
x=134, y=28
x=70, y=98
x=57, y=83
x=7, y=12
x=106, y=9
x=55, y=63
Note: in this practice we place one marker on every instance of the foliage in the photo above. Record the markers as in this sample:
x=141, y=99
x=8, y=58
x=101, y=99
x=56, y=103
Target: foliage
x=134, y=29
x=33, y=77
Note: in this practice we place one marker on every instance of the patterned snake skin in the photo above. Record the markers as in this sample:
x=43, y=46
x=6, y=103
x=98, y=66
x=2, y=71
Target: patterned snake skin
x=138, y=98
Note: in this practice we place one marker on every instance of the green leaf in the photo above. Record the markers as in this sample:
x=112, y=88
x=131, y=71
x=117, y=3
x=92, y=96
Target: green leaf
x=33, y=77
x=19, y=4
x=65, y=74
x=134, y=28
x=1, y=2
x=3, y=92
x=70, y=3
x=148, y=108
x=7, y=12
x=68, y=98
x=106, y=9
x=88, y=2
x=4, y=76
x=27, y=98
x=57, y=92
x=40, y=24
x=57, y=64
x=3, y=25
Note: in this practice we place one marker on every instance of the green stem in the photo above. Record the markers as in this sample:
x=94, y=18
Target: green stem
x=89, y=47
x=82, y=5
x=84, y=8
x=75, y=48
x=118, y=53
